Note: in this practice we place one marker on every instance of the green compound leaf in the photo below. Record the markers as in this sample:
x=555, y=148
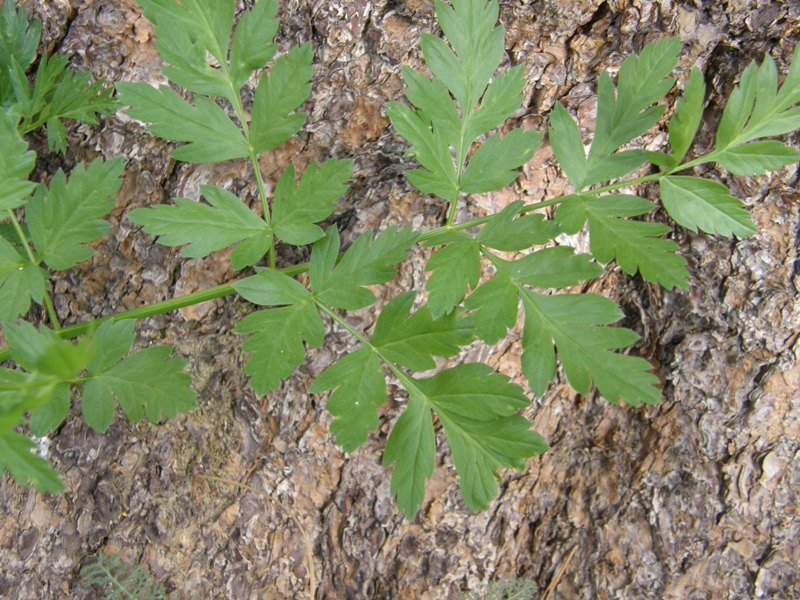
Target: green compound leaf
x=459, y=105
x=575, y=324
x=455, y=268
x=707, y=205
x=67, y=215
x=623, y=113
x=147, y=383
x=359, y=389
x=16, y=455
x=211, y=135
x=60, y=93
x=20, y=282
x=509, y=231
x=278, y=96
x=366, y=262
x=277, y=335
x=16, y=163
x=635, y=245
x=298, y=206
x=206, y=228
x=478, y=410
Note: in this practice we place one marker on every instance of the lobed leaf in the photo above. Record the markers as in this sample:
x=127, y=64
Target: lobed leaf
x=455, y=268
x=16, y=164
x=635, y=245
x=211, y=135
x=16, y=455
x=511, y=231
x=146, y=384
x=366, y=262
x=707, y=205
x=20, y=282
x=412, y=340
x=478, y=410
x=299, y=206
x=206, y=228
x=278, y=95
x=575, y=324
x=65, y=216
x=359, y=389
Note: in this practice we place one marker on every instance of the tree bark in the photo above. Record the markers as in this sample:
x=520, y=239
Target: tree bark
x=250, y=497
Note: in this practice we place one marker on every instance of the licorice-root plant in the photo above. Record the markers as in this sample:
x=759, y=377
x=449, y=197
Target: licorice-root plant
x=480, y=271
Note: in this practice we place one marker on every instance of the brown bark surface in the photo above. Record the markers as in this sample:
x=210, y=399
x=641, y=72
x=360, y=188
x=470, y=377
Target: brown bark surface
x=250, y=497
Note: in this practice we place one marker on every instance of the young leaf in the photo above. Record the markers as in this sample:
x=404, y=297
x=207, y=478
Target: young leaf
x=16, y=455
x=636, y=246
x=225, y=221
x=575, y=324
x=20, y=282
x=147, y=383
x=359, y=388
x=16, y=163
x=455, y=268
x=211, y=135
x=366, y=262
x=278, y=96
x=278, y=334
x=707, y=205
x=509, y=231
x=298, y=206
x=65, y=216
x=413, y=340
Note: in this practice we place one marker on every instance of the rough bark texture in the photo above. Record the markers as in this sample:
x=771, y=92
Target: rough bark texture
x=695, y=498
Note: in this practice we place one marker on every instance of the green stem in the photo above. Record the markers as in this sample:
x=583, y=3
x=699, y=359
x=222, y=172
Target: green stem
x=227, y=289
x=342, y=322
x=48, y=301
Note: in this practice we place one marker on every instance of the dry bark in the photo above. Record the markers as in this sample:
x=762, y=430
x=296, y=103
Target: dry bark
x=695, y=498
